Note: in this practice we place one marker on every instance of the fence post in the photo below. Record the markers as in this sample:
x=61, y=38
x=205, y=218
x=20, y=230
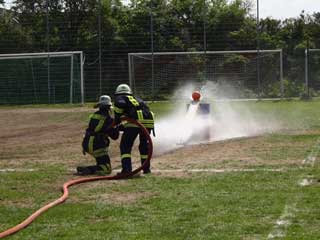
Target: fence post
x=281, y=74
x=130, y=72
x=152, y=50
x=306, y=70
x=205, y=39
x=258, y=51
x=82, y=78
x=99, y=43
x=71, y=79
x=48, y=51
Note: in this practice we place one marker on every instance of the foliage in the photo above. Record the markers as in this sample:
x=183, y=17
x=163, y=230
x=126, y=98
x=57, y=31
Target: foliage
x=290, y=89
x=178, y=26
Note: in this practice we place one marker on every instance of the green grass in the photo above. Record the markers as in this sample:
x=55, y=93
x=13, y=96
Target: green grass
x=296, y=114
x=203, y=206
x=229, y=205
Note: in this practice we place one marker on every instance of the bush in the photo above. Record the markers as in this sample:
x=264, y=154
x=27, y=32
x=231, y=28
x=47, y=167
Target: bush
x=291, y=89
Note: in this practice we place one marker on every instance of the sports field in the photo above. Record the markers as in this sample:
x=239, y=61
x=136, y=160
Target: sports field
x=259, y=187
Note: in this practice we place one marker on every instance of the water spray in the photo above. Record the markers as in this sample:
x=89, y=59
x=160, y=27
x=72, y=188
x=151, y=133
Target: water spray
x=197, y=118
x=202, y=114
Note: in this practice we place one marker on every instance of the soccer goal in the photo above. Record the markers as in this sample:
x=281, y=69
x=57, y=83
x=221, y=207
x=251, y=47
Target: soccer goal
x=36, y=78
x=238, y=74
x=312, y=69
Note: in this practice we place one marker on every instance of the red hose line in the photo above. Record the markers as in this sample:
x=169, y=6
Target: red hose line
x=67, y=184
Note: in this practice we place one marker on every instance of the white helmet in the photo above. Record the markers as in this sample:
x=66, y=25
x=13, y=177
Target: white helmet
x=104, y=100
x=123, y=89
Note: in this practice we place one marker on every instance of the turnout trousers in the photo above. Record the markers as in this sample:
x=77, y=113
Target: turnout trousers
x=97, y=146
x=127, y=140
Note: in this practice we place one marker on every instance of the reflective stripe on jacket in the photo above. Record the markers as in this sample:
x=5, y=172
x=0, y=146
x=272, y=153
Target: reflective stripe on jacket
x=129, y=106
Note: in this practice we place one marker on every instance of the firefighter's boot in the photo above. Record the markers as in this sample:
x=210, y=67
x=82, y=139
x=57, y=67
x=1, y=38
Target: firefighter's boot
x=146, y=168
x=103, y=165
x=126, y=165
x=86, y=170
x=104, y=169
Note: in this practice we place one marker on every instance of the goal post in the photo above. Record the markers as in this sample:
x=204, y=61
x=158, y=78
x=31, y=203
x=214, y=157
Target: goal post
x=234, y=71
x=37, y=78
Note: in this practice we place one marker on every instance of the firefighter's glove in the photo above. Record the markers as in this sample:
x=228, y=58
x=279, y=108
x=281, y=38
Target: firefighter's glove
x=113, y=133
x=120, y=128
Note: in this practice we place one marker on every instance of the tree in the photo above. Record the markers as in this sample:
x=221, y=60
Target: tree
x=225, y=19
x=188, y=22
x=269, y=37
x=32, y=16
x=13, y=38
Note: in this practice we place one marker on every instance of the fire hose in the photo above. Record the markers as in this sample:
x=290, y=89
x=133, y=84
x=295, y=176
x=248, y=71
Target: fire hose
x=67, y=184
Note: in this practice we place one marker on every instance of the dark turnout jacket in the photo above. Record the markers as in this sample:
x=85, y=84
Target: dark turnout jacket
x=135, y=108
x=99, y=129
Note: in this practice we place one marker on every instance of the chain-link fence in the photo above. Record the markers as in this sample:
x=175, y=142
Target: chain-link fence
x=108, y=31
x=32, y=78
x=233, y=72
x=312, y=73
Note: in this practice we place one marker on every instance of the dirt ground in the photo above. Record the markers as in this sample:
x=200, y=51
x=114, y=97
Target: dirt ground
x=33, y=139
x=38, y=137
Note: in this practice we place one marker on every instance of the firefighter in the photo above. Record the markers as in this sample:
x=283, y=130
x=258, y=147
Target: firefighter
x=96, y=139
x=132, y=107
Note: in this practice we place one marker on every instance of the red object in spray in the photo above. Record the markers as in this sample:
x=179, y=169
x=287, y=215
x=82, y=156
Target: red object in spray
x=196, y=96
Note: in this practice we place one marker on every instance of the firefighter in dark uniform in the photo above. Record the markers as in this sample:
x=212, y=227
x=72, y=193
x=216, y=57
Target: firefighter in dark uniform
x=96, y=140
x=126, y=104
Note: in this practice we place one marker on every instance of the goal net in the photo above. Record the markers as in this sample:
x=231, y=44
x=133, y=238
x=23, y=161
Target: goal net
x=37, y=78
x=236, y=74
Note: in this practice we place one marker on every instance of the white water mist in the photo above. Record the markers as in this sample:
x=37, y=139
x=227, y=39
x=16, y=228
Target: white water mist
x=183, y=126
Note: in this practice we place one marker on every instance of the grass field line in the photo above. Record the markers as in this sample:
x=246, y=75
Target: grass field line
x=18, y=170
x=194, y=170
x=311, y=158
x=280, y=228
x=284, y=221
x=310, y=161
x=213, y=170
